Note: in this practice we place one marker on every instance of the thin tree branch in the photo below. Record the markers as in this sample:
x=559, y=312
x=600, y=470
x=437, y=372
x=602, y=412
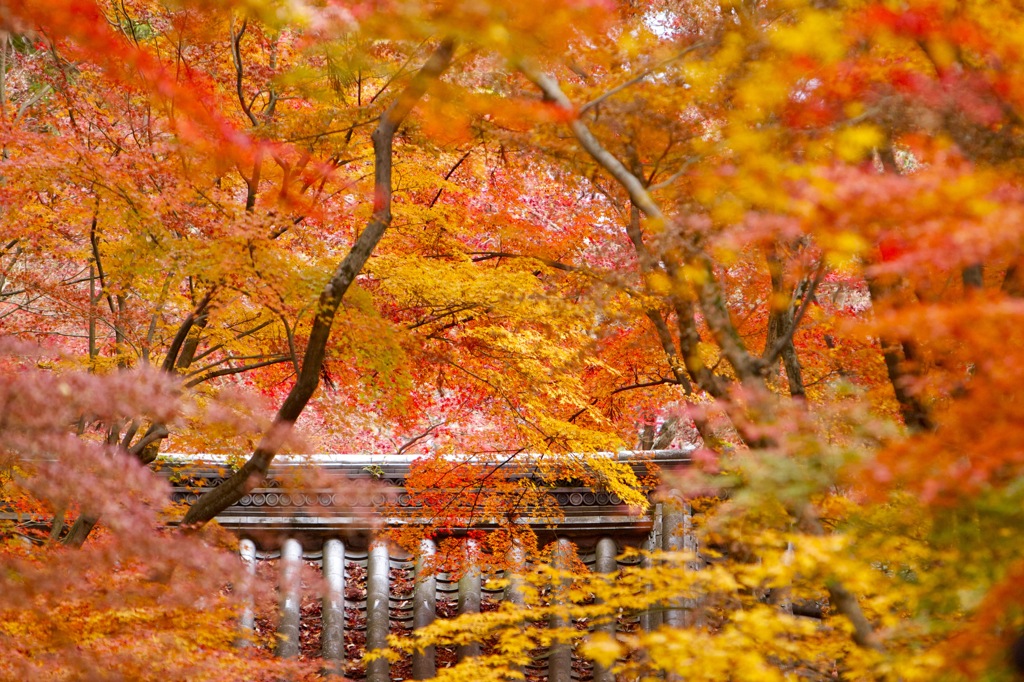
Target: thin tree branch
x=228, y=371
x=236, y=57
x=155, y=433
x=637, y=78
x=448, y=175
x=480, y=256
x=249, y=332
x=644, y=384
x=787, y=337
x=418, y=437
x=712, y=301
x=183, y=330
x=256, y=467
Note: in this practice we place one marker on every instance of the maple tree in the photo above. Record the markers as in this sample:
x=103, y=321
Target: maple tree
x=785, y=233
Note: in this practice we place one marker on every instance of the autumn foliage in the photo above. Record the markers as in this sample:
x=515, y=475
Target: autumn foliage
x=788, y=235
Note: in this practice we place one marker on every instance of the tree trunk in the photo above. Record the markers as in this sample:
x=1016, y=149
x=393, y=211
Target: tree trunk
x=255, y=469
x=80, y=529
x=915, y=413
x=749, y=370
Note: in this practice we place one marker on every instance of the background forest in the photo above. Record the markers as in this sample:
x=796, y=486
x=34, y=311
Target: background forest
x=786, y=234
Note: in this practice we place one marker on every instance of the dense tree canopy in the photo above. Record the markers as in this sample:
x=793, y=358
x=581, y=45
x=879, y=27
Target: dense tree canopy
x=786, y=234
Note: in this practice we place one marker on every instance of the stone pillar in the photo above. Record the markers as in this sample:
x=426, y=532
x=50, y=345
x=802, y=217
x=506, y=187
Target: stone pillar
x=247, y=550
x=424, y=610
x=783, y=597
x=332, y=637
x=678, y=536
x=560, y=655
x=378, y=606
x=516, y=559
x=469, y=597
x=672, y=541
x=651, y=618
x=604, y=562
x=604, y=556
x=516, y=564
x=288, y=623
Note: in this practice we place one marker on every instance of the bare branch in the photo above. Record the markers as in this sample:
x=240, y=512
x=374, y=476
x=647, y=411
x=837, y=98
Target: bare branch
x=236, y=57
x=637, y=78
x=787, y=337
x=480, y=256
x=420, y=436
x=249, y=332
x=155, y=433
x=228, y=371
x=255, y=468
x=644, y=384
x=183, y=330
x=712, y=300
x=448, y=175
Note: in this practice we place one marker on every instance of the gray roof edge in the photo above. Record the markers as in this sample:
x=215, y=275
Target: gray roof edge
x=364, y=459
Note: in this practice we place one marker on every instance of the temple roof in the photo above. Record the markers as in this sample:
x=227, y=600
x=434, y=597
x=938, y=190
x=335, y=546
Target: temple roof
x=278, y=508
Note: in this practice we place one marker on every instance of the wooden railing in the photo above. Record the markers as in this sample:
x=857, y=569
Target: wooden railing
x=370, y=589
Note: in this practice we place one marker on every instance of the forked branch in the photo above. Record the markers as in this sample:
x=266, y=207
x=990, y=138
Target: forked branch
x=748, y=367
x=255, y=469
